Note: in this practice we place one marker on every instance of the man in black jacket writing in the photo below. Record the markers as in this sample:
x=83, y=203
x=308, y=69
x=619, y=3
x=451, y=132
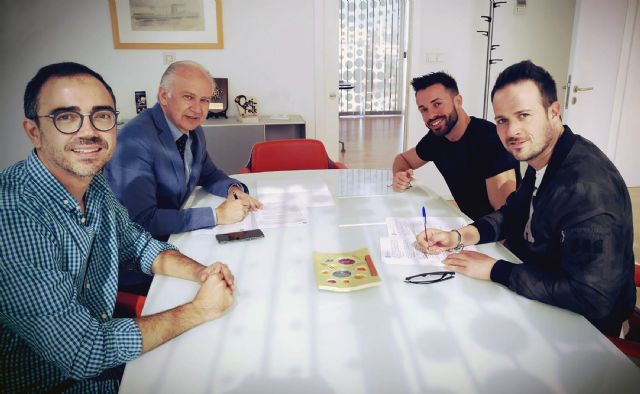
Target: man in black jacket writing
x=570, y=220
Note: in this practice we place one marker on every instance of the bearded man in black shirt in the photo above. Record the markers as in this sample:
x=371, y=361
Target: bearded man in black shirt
x=466, y=150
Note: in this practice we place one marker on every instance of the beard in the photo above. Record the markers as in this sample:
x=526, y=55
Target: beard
x=79, y=167
x=536, y=149
x=450, y=122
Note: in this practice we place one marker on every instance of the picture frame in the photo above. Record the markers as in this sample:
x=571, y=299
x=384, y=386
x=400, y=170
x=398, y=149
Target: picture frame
x=220, y=99
x=178, y=24
x=141, y=101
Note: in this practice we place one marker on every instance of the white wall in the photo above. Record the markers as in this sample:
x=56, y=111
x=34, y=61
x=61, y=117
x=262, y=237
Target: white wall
x=268, y=53
x=542, y=34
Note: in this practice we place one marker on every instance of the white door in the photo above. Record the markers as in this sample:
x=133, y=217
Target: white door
x=598, y=70
x=326, y=127
x=627, y=142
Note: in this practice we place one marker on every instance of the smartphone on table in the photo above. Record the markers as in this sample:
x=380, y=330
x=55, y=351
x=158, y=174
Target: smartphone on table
x=239, y=236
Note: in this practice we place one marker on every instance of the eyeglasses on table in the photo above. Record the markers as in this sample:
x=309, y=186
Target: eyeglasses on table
x=437, y=276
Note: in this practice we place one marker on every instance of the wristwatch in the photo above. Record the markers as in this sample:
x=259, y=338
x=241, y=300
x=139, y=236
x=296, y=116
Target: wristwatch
x=460, y=245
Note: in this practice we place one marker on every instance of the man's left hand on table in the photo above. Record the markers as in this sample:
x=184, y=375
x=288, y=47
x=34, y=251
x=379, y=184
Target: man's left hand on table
x=470, y=263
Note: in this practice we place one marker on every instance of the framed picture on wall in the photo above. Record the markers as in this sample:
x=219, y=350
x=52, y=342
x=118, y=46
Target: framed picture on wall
x=175, y=24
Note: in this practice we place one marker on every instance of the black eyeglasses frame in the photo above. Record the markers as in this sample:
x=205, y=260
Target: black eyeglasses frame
x=443, y=275
x=53, y=115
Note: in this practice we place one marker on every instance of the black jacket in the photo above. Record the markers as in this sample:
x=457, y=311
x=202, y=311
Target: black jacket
x=582, y=255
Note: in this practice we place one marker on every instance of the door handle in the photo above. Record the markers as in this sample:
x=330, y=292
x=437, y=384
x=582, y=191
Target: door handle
x=567, y=87
x=577, y=89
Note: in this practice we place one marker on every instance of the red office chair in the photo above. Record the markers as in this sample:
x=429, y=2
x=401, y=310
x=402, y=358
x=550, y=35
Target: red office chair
x=291, y=154
x=129, y=305
x=631, y=345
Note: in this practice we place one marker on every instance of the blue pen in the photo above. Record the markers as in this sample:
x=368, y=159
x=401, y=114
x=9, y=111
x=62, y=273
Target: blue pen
x=424, y=216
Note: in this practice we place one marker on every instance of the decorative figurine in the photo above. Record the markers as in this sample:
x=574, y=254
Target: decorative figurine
x=247, y=107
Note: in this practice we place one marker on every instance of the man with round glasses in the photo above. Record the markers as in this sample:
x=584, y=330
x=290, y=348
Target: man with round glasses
x=64, y=235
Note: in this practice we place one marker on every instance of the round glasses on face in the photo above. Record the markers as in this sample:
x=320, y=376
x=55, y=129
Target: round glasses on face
x=69, y=122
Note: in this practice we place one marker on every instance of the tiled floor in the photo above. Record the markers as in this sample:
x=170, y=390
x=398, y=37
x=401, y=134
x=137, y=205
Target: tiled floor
x=373, y=142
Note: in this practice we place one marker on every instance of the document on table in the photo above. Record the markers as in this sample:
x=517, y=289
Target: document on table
x=281, y=214
x=286, y=204
x=364, y=182
x=400, y=246
x=273, y=214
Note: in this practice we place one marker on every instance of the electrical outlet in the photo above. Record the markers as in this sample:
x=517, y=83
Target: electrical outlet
x=168, y=58
x=520, y=7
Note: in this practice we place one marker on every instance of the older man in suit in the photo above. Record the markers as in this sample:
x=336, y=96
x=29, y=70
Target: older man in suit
x=162, y=157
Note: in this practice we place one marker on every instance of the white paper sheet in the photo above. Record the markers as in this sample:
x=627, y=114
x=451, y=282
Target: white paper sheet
x=400, y=246
x=395, y=250
x=281, y=214
x=365, y=182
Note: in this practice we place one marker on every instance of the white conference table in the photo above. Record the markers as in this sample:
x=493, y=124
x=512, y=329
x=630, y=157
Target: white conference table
x=283, y=335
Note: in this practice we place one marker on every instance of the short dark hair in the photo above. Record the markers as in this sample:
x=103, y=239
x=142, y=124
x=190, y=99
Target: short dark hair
x=57, y=70
x=440, y=77
x=527, y=71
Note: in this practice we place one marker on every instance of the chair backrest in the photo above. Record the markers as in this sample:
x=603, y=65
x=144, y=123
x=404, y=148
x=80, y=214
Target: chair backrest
x=290, y=154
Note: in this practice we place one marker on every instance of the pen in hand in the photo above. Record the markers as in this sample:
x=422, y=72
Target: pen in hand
x=424, y=217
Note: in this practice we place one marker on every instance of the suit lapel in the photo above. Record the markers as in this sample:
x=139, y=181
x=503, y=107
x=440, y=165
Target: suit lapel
x=169, y=148
x=196, y=149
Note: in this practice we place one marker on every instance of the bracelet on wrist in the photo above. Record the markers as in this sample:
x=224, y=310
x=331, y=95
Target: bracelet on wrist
x=460, y=246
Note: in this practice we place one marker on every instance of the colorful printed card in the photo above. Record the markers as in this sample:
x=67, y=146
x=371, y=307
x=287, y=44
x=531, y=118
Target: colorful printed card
x=345, y=271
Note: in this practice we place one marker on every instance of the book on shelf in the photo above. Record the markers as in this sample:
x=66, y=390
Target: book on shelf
x=345, y=271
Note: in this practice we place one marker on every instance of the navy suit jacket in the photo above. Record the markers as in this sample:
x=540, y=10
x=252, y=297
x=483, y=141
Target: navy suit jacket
x=146, y=173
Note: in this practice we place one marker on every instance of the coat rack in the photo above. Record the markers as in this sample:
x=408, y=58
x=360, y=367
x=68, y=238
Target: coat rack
x=493, y=4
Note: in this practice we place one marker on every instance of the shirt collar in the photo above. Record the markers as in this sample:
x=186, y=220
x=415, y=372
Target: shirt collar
x=560, y=151
x=175, y=131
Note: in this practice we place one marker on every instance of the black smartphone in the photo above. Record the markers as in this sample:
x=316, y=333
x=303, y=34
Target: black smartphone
x=240, y=236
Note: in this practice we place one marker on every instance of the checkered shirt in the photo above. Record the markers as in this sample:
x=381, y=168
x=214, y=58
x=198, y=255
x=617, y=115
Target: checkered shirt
x=58, y=282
